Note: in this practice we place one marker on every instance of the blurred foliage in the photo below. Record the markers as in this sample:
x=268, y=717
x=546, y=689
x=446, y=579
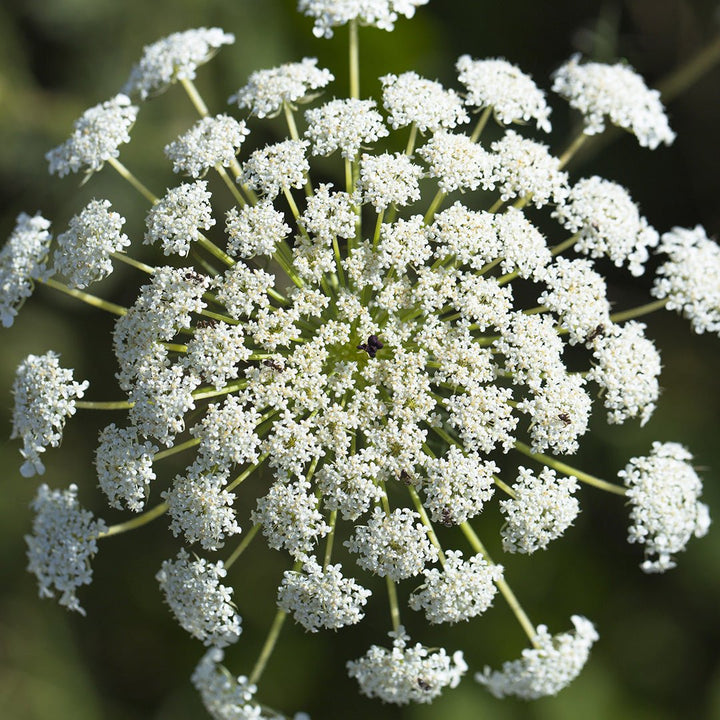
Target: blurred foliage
x=658, y=653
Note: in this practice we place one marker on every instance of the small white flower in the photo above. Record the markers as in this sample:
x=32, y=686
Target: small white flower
x=618, y=93
x=124, y=467
x=321, y=597
x=389, y=179
x=177, y=218
x=460, y=591
x=381, y=14
x=175, y=57
x=63, y=541
x=411, y=99
x=267, y=90
x=345, y=125
x=255, y=230
x=394, y=545
x=690, y=279
x=277, y=167
x=45, y=395
x=663, y=489
x=98, y=134
x=198, y=600
x=542, y=509
x=511, y=93
x=83, y=251
x=22, y=260
x=212, y=141
x=406, y=673
x=547, y=668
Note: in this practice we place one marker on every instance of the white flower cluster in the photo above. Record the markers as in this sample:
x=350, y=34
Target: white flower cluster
x=267, y=90
x=201, y=604
x=663, y=489
x=406, y=673
x=359, y=361
x=176, y=219
x=98, y=134
x=512, y=95
x=63, y=541
x=22, y=260
x=690, y=279
x=83, y=251
x=381, y=14
x=321, y=597
x=45, y=395
x=542, y=509
x=175, y=57
x=617, y=92
x=460, y=591
x=548, y=667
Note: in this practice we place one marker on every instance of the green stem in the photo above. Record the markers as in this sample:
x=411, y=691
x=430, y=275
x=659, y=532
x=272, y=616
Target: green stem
x=85, y=297
x=270, y=642
x=481, y=123
x=215, y=250
x=393, y=600
x=504, y=588
x=571, y=149
x=409, y=149
x=136, y=522
x=505, y=488
x=125, y=173
x=251, y=533
x=330, y=539
x=247, y=472
x=205, y=393
x=232, y=186
x=122, y=257
x=354, y=50
x=194, y=96
x=690, y=72
x=640, y=310
x=426, y=522
x=174, y=450
x=569, y=470
x=434, y=205
x=109, y=405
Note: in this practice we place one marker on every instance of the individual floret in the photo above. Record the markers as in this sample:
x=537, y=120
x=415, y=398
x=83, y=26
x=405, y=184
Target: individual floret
x=22, y=260
x=98, y=134
x=663, y=489
x=267, y=90
x=45, y=395
x=83, y=251
x=198, y=600
x=175, y=57
x=617, y=92
x=690, y=279
x=406, y=673
x=63, y=541
x=542, y=508
x=211, y=142
x=512, y=94
x=545, y=669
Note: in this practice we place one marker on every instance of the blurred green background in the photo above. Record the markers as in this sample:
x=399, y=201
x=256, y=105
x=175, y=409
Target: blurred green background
x=658, y=654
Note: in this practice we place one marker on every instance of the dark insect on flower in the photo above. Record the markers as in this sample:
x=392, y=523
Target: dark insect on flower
x=423, y=684
x=405, y=477
x=371, y=346
x=274, y=364
x=565, y=418
x=596, y=333
x=447, y=518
